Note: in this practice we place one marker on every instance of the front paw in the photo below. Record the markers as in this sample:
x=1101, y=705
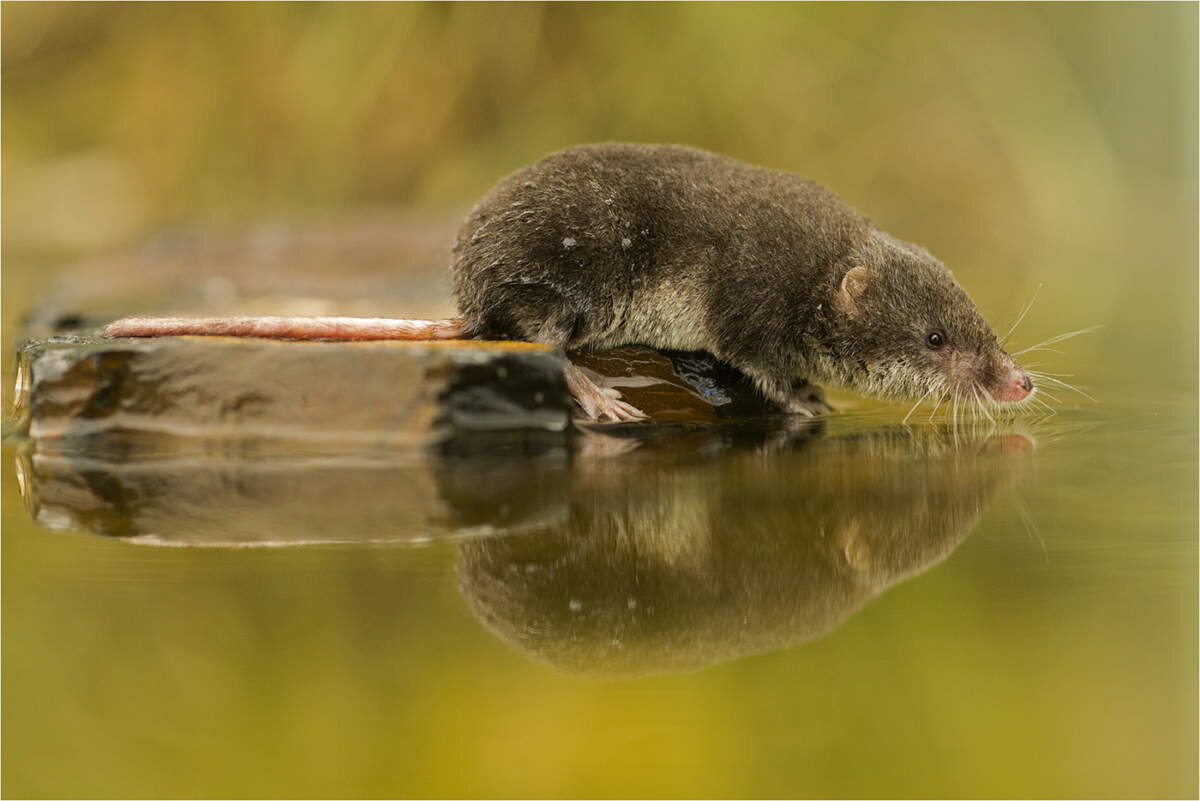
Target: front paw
x=807, y=400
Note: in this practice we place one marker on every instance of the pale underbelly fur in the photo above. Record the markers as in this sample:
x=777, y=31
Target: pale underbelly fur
x=669, y=315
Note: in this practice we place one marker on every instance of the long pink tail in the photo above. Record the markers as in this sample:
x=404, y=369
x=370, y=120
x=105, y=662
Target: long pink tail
x=342, y=328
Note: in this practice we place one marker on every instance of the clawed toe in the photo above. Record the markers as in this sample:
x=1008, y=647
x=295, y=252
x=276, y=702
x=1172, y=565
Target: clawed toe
x=806, y=408
x=802, y=409
x=623, y=412
x=603, y=409
x=807, y=400
x=599, y=404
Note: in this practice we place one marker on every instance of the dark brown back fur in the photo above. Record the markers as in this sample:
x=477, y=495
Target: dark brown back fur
x=575, y=237
x=674, y=247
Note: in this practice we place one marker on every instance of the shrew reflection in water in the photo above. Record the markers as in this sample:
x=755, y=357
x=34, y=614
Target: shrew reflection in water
x=763, y=548
x=652, y=550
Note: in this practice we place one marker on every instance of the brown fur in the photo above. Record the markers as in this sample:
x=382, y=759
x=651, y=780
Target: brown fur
x=673, y=247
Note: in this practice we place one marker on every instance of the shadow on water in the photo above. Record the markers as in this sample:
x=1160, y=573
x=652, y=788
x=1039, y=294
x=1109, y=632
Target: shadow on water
x=642, y=550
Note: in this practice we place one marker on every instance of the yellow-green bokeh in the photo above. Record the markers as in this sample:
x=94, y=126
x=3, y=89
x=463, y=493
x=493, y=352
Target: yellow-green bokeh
x=1023, y=144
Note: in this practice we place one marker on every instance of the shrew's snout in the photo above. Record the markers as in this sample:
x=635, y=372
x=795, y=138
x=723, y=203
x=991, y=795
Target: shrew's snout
x=1015, y=386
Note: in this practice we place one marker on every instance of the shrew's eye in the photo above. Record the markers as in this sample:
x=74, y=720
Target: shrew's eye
x=935, y=339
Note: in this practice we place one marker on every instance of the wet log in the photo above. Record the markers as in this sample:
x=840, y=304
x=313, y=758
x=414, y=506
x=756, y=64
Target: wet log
x=353, y=394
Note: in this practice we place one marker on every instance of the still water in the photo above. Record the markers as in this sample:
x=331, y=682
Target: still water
x=844, y=608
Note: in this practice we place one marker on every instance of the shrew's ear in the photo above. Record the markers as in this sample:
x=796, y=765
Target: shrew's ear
x=848, y=298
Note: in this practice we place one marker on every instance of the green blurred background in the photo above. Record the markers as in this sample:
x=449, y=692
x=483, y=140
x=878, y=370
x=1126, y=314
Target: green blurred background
x=1023, y=144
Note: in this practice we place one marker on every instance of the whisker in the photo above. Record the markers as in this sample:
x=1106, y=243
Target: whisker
x=987, y=413
x=1050, y=379
x=1059, y=338
x=1021, y=316
x=1037, y=400
x=1031, y=525
x=938, y=405
x=915, y=405
x=998, y=407
x=981, y=404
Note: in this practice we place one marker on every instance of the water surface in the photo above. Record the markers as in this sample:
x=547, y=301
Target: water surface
x=848, y=608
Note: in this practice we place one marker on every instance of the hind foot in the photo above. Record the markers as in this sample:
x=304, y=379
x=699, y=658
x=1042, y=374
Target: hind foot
x=600, y=405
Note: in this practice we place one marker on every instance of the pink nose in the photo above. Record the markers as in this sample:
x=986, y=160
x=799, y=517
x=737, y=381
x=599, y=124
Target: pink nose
x=1016, y=387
